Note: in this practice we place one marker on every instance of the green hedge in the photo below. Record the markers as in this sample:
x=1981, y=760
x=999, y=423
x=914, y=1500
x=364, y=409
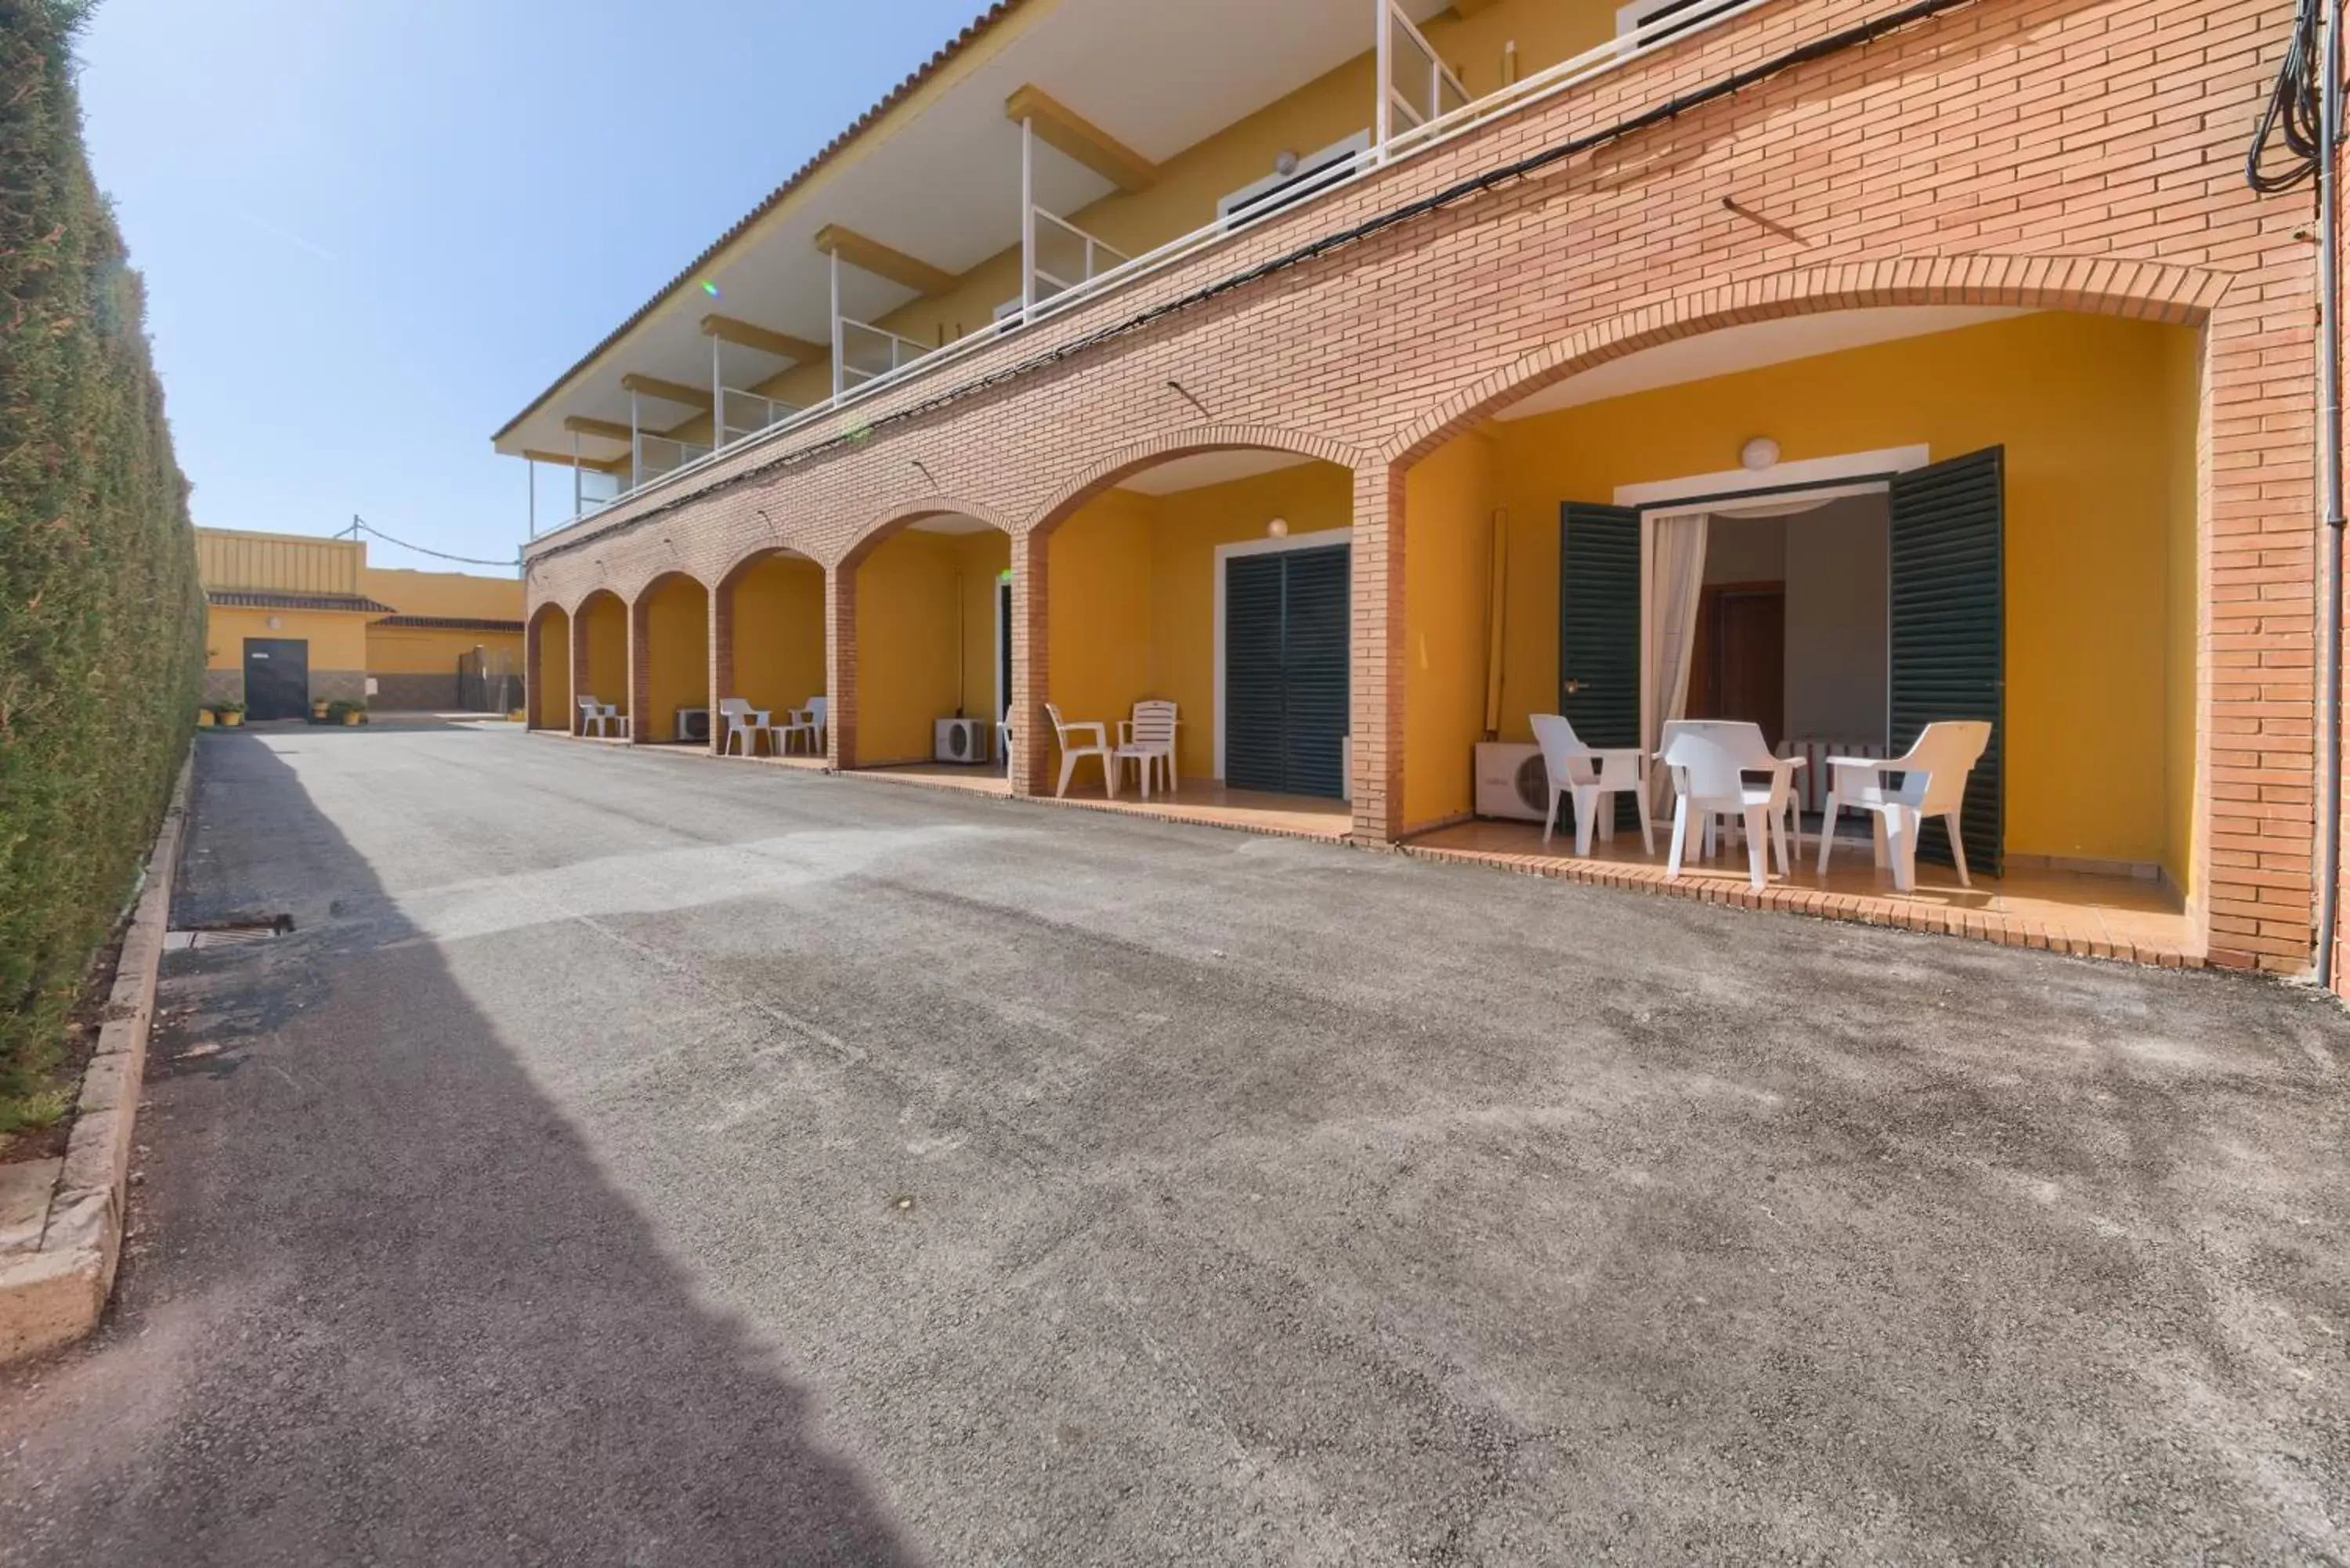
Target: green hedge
x=102, y=618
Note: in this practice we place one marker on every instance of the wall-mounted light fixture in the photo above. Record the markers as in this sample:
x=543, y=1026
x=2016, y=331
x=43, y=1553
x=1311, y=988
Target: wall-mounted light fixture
x=1277, y=529
x=1759, y=454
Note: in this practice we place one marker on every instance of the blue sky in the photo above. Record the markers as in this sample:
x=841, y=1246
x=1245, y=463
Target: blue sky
x=372, y=232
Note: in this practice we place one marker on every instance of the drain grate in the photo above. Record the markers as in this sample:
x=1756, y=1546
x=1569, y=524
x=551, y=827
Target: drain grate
x=229, y=933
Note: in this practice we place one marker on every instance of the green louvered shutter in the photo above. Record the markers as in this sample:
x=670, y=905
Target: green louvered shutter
x=1949, y=613
x=1252, y=704
x=1599, y=629
x=1315, y=689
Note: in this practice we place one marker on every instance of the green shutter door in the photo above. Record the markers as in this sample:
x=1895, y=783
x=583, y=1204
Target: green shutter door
x=1285, y=661
x=1599, y=629
x=1949, y=631
x=1314, y=671
x=1253, y=723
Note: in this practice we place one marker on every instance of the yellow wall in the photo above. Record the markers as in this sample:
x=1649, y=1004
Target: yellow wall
x=338, y=638
x=549, y=683
x=1448, y=564
x=435, y=650
x=676, y=638
x=453, y=594
x=907, y=618
x=605, y=676
x=1132, y=579
x=2183, y=405
x=2083, y=406
x=778, y=622
x=284, y=562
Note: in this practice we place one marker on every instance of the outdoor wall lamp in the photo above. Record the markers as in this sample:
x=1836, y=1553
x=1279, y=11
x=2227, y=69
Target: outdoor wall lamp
x=1759, y=454
x=1277, y=529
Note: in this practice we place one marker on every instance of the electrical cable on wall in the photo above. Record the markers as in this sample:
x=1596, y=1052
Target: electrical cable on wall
x=2293, y=114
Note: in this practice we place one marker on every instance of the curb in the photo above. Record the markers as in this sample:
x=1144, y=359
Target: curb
x=54, y=1294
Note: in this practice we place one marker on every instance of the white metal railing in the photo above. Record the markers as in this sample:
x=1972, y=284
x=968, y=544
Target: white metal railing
x=1414, y=86
x=1636, y=38
x=1062, y=257
x=740, y=414
x=656, y=455
x=868, y=353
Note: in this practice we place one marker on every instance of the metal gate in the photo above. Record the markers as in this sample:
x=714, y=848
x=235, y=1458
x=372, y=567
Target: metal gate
x=487, y=684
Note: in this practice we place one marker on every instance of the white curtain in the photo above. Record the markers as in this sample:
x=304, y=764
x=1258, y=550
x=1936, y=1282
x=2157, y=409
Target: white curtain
x=1676, y=581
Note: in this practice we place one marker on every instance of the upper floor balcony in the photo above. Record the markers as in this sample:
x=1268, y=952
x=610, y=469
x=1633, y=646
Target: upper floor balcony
x=1055, y=154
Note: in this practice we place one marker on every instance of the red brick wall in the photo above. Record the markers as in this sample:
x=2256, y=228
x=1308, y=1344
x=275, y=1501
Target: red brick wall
x=2054, y=153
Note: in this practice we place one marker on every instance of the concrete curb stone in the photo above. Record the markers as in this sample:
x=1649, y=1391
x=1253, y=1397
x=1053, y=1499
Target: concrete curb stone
x=53, y=1294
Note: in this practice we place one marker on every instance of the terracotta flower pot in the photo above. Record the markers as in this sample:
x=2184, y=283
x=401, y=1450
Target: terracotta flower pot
x=203, y=718
x=355, y=720
x=231, y=720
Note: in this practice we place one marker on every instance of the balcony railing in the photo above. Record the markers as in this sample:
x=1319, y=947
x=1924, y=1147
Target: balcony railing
x=1421, y=105
x=657, y=455
x=740, y=414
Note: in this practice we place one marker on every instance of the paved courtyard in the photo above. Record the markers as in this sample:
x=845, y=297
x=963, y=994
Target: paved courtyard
x=637, y=1160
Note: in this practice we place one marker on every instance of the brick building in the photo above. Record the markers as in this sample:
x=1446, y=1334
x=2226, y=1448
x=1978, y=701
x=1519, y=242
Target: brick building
x=1344, y=381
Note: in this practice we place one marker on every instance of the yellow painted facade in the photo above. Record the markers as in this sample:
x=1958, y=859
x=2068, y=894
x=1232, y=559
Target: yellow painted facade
x=778, y=610
x=282, y=563
x=1448, y=542
x=2100, y=522
x=676, y=645
x=917, y=592
x=338, y=638
x=604, y=672
x=550, y=682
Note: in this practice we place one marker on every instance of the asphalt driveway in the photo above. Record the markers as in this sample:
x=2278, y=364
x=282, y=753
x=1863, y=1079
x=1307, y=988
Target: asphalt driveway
x=637, y=1160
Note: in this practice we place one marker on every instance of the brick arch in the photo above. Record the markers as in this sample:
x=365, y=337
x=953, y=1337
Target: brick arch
x=1105, y=473
x=898, y=515
x=2146, y=291
x=726, y=578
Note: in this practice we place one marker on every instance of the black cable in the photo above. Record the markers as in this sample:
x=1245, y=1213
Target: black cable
x=2293, y=114
x=357, y=524
x=1820, y=48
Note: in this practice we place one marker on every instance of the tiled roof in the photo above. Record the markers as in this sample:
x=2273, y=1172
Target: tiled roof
x=255, y=599
x=971, y=33
x=450, y=623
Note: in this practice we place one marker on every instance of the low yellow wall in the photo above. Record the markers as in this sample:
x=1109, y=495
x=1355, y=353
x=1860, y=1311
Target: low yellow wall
x=1448, y=564
x=338, y=638
x=604, y=675
x=435, y=650
x=2089, y=411
x=778, y=621
x=677, y=641
x=549, y=680
x=908, y=610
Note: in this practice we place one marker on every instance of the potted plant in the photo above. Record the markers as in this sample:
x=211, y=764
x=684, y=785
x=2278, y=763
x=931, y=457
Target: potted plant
x=230, y=714
x=203, y=718
x=344, y=711
x=319, y=706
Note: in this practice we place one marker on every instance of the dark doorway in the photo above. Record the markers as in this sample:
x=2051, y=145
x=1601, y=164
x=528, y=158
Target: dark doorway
x=276, y=678
x=1285, y=691
x=1738, y=665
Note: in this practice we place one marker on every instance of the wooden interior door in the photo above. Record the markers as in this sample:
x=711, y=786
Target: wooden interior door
x=1738, y=665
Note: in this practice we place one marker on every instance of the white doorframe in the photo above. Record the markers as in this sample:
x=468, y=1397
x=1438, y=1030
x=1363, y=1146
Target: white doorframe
x=1322, y=540
x=1812, y=482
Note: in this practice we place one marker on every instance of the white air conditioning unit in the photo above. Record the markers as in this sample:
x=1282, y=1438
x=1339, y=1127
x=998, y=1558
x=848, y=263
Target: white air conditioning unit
x=959, y=741
x=1512, y=781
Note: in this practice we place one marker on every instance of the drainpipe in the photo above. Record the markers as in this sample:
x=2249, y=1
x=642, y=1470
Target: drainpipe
x=2329, y=451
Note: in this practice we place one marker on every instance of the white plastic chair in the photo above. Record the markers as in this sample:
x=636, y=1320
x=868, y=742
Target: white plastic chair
x=604, y=718
x=1148, y=740
x=1933, y=783
x=738, y=721
x=1710, y=760
x=1594, y=776
x=808, y=721
x=1072, y=753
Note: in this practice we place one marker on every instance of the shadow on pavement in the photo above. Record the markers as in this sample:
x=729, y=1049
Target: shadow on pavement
x=381, y=1304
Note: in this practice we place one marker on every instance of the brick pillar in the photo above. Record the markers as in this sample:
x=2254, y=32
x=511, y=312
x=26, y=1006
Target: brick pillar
x=579, y=671
x=534, y=631
x=641, y=669
x=721, y=657
x=840, y=665
x=1376, y=661
x=1032, y=688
